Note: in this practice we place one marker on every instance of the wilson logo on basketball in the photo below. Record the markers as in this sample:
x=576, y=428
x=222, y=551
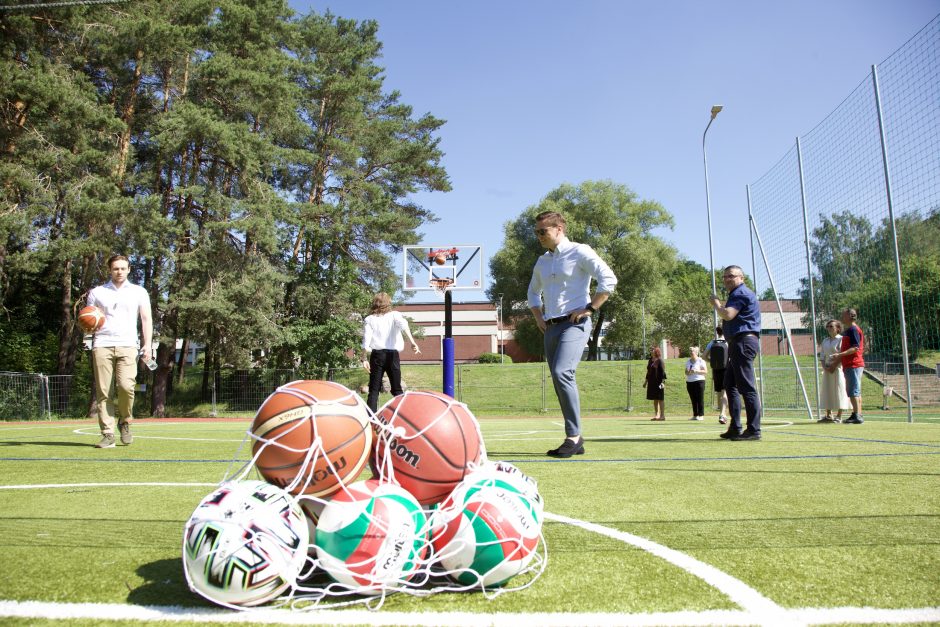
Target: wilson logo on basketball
x=322, y=473
x=404, y=453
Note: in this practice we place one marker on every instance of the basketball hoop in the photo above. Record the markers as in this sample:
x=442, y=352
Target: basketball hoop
x=441, y=285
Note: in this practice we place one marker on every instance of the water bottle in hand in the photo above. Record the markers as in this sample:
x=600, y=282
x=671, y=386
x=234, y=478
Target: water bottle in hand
x=149, y=361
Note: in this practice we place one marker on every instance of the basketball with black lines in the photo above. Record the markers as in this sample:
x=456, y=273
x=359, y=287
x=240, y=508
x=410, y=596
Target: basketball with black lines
x=90, y=319
x=431, y=442
x=311, y=437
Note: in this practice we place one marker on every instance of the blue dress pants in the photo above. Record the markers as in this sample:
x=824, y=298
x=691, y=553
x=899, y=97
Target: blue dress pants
x=740, y=382
x=564, y=345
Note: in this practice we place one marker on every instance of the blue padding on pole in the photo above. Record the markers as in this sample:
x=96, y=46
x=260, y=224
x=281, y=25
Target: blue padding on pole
x=448, y=362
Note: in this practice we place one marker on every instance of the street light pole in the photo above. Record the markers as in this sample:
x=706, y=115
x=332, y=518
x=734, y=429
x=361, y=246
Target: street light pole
x=708, y=208
x=499, y=330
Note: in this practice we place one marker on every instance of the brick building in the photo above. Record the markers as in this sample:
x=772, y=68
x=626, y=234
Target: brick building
x=474, y=328
x=476, y=331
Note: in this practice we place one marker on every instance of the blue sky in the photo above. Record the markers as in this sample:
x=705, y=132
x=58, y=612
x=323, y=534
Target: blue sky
x=536, y=94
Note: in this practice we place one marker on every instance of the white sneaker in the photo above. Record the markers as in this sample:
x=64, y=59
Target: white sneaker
x=698, y=418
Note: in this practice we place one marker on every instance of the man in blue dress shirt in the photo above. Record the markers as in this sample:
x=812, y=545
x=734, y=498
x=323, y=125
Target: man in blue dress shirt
x=560, y=300
x=742, y=330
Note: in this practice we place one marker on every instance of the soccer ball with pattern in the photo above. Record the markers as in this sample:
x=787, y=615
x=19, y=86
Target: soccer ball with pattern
x=488, y=530
x=245, y=544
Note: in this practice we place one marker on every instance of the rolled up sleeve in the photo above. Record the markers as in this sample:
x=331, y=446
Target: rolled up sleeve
x=596, y=267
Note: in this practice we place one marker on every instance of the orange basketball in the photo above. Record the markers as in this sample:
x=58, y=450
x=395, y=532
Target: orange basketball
x=432, y=442
x=90, y=319
x=440, y=259
x=320, y=415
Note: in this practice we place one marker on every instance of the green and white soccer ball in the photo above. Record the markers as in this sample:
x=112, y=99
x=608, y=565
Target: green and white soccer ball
x=489, y=528
x=371, y=537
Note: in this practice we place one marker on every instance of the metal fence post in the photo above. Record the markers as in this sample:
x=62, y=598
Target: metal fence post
x=215, y=411
x=629, y=387
x=760, y=342
x=44, y=397
x=809, y=274
x=894, y=241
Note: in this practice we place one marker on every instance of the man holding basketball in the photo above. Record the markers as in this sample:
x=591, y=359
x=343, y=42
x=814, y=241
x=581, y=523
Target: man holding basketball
x=115, y=349
x=560, y=301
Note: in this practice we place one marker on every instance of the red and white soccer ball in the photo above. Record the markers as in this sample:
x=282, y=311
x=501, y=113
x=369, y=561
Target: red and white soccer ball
x=245, y=544
x=489, y=529
x=371, y=536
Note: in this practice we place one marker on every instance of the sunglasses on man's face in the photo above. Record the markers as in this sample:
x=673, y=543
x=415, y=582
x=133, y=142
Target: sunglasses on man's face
x=543, y=231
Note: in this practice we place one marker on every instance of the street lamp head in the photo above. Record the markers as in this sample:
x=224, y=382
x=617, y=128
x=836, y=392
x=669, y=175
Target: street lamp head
x=716, y=110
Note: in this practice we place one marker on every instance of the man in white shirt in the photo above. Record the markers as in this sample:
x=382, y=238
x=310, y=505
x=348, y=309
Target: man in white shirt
x=115, y=350
x=560, y=301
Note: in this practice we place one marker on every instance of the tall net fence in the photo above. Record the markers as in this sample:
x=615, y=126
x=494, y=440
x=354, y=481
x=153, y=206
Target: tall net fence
x=845, y=220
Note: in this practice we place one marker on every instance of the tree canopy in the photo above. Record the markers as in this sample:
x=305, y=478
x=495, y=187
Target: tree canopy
x=616, y=223
x=249, y=161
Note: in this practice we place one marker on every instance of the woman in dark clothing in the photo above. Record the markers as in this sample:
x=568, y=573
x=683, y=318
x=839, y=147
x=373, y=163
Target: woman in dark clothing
x=655, y=383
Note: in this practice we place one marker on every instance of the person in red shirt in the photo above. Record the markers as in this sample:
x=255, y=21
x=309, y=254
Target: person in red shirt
x=853, y=364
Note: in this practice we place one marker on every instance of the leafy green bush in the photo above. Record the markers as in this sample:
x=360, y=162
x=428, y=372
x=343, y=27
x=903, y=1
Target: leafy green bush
x=494, y=358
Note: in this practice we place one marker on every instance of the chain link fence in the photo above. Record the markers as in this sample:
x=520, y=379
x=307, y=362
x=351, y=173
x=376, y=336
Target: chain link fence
x=850, y=218
x=31, y=396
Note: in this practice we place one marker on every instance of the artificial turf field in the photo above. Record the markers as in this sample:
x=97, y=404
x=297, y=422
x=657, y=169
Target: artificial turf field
x=659, y=523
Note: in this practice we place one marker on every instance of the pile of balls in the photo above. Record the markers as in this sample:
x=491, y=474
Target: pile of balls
x=436, y=515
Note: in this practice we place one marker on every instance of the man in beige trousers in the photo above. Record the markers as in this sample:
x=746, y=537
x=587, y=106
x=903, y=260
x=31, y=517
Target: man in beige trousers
x=116, y=348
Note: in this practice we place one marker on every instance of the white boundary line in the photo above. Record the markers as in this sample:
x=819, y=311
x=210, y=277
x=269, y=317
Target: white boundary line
x=115, y=611
x=735, y=589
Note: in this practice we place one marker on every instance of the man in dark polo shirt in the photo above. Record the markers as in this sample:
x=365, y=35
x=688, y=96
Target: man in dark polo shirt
x=741, y=315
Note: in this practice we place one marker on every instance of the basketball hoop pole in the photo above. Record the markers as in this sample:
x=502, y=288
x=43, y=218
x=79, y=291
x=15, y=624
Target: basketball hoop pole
x=448, y=352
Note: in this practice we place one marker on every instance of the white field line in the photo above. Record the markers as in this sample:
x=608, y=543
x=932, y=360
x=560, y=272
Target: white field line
x=742, y=594
x=124, y=484
x=94, y=431
x=114, y=611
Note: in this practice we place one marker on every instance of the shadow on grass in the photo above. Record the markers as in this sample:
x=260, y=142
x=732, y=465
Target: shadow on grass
x=21, y=443
x=165, y=585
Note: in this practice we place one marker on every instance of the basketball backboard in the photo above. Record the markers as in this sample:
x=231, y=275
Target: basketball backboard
x=439, y=268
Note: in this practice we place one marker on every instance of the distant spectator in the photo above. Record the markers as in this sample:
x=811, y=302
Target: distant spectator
x=655, y=383
x=718, y=360
x=833, y=396
x=695, y=371
x=853, y=364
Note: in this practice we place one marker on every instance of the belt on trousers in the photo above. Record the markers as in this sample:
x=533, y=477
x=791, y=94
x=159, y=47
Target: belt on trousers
x=746, y=333
x=558, y=320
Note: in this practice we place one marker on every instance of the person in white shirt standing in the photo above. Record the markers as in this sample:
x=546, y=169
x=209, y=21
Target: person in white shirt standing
x=695, y=371
x=116, y=347
x=381, y=343
x=560, y=301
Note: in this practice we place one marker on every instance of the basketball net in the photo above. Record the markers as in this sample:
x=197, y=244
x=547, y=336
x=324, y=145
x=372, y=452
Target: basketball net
x=441, y=285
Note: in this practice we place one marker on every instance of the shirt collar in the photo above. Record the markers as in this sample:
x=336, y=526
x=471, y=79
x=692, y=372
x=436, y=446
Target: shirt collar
x=564, y=244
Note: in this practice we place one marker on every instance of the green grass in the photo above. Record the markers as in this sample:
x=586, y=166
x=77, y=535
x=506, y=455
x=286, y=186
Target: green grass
x=812, y=516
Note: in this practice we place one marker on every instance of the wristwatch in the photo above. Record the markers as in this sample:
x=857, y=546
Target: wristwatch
x=590, y=308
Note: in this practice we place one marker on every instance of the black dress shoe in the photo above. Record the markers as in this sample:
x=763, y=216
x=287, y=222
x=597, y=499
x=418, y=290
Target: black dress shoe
x=730, y=434
x=568, y=448
x=747, y=434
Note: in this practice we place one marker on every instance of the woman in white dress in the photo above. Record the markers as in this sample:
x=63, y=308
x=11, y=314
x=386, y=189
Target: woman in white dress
x=832, y=391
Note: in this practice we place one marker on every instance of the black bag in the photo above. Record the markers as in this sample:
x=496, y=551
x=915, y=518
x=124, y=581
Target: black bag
x=718, y=355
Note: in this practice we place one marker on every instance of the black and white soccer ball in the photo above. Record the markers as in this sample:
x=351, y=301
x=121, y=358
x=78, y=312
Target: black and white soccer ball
x=245, y=544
